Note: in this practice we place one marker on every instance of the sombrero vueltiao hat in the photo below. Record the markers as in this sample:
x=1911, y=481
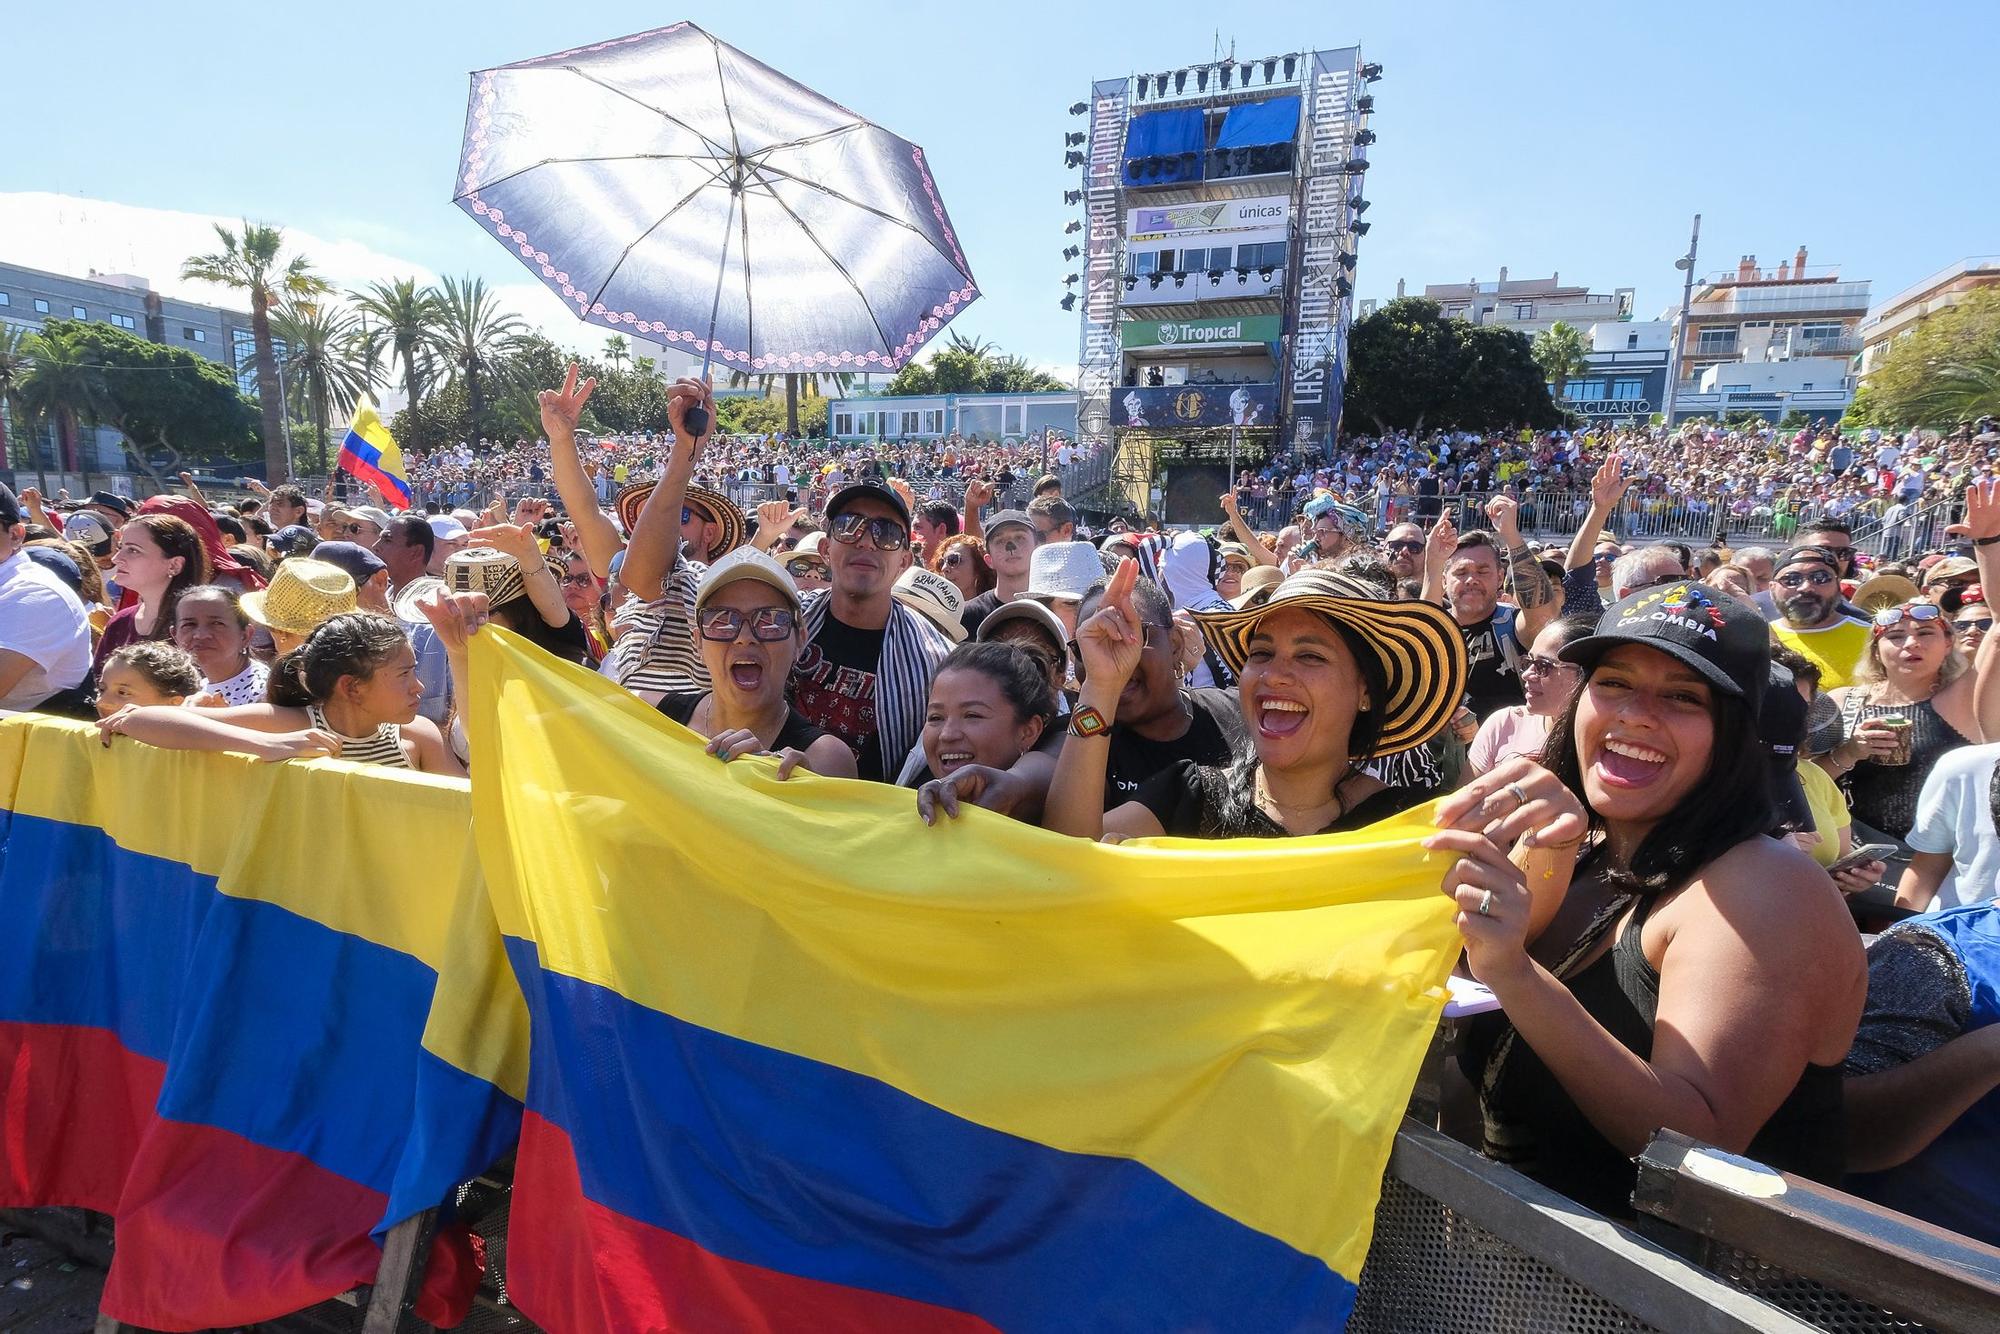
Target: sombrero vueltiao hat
x=1419, y=646
x=713, y=504
x=1883, y=591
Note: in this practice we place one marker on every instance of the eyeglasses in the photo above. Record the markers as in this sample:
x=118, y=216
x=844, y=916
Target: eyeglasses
x=1923, y=613
x=806, y=567
x=1818, y=579
x=351, y=529
x=1404, y=544
x=578, y=580
x=1981, y=624
x=1537, y=665
x=767, y=624
x=1838, y=553
x=886, y=534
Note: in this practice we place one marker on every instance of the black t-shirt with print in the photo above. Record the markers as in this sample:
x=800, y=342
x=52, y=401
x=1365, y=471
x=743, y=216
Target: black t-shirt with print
x=1491, y=684
x=1215, y=736
x=833, y=688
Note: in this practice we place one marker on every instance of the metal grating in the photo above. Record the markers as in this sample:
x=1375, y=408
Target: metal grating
x=1431, y=1270
x=1822, y=1307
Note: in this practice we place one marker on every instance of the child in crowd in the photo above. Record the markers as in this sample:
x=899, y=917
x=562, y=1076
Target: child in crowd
x=146, y=673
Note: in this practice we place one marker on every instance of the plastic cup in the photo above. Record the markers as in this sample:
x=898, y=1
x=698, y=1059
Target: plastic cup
x=1901, y=754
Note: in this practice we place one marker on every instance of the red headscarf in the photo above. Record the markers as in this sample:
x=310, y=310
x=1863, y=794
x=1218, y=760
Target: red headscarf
x=227, y=568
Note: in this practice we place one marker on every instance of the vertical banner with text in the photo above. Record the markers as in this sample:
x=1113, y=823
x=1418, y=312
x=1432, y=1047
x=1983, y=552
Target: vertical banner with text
x=1103, y=193
x=1317, y=354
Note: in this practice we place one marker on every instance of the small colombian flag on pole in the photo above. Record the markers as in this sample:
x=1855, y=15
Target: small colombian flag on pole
x=369, y=452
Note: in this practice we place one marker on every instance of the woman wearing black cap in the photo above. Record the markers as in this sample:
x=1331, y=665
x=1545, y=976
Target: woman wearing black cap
x=1671, y=988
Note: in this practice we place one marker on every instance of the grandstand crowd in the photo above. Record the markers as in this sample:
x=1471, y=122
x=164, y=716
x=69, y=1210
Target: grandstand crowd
x=1721, y=822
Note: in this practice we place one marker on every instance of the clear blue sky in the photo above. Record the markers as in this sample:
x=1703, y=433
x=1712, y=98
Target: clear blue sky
x=1571, y=138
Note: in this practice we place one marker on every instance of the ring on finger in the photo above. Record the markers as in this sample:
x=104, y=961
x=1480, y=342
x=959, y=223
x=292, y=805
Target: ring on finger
x=1486, y=903
x=1514, y=790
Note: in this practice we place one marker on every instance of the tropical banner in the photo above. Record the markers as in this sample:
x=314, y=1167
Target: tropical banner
x=215, y=982
x=1223, y=331
x=799, y=1061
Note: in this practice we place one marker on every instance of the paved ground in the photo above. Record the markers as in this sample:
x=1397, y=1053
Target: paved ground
x=44, y=1291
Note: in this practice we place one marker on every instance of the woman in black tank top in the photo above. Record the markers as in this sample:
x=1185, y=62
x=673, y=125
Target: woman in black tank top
x=1696, y=974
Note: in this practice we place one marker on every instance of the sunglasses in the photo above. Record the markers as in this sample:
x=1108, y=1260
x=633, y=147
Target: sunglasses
x=885, y=534
x=578, y=580
x=1838, y=553
x=1537, y=665
x=806, y=567
x=1923, y=613
x=767, y=624
x=1818, y=579
x=1980, y=623
x=955, y=559
x=1405, y=544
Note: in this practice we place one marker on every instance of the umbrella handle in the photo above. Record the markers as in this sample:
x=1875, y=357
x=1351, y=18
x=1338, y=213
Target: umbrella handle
x=696, y=418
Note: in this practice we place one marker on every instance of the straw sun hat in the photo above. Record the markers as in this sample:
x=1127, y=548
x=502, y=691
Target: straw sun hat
x=712, y=505
x=304, y=594
x=1419, y=646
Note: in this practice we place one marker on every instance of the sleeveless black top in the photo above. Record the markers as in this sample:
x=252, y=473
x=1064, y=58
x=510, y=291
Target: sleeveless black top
x=1552, y=1141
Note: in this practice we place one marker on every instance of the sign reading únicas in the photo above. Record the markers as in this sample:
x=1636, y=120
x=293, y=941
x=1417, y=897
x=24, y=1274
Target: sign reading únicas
x=1201, y=333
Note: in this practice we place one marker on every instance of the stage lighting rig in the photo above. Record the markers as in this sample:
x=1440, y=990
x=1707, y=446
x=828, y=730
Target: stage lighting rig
x=1371, y=71
x=1355, y=167
x=1364, y=103
x=1069, y=301
x=1361, y=228
x=1074, y=226
x=1072, y=196
x=1072, y=158
x=1361, y=206
x=1072, y=140
x=1071, y=252
x=1365, y=138
x=1077, y=109
x=1072, y=280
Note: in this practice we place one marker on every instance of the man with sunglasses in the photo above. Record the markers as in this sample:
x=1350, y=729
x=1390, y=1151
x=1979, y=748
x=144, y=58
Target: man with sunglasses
x=1403, y=550
x=865, y=674
x=1812, y=616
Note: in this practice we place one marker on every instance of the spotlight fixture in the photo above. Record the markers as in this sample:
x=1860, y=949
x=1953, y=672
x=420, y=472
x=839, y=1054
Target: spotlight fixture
x=1341, y=287
x=1270, y=70
x=1291, y=66
x=1347, y=260
x=1072, y=158
x=1242, y=277
x=1355, y=167
x=1180, y=80
x=1361, y=206
x=1072, y=280
x=1371, y=71
x=1365, y=138
x=1074, y=226
x=1265, y=273
x=1131, y=281
x=1072, y=196
x=1069, y=301
x=1361, y=228
x=1142, y=87
x=1180, y=279
x=1157, y=278
x=1215, y=277
x=1201, y=78
x=1365, y=103
x=1226, y=72
x=1073, y=140
x=1078, y=108
x=1071, y=252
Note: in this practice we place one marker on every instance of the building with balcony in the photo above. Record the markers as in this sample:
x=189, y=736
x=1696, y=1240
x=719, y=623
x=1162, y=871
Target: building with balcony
x=1755, y=314
x=29, y=298
x=1819, y=387
x=1221, y=209
x=1528, y=305
x=1902, y=313
x=1008, y=418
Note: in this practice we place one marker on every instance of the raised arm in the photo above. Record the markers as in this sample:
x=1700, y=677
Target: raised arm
x=1534, y=592
x=656, y=538
x=1607, y=488
x=1243, y=533
x=518, y=541
x=978, y=493
x=561, y=410
x=1982, y=521
x=1109, y=644
x=1439, y=544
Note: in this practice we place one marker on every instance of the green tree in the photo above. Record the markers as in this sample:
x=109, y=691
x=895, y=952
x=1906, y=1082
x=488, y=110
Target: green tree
x=250, y=263
x=64, y=385
x=799, y=387
x=1561, y=353
x=406, y=323
x=162, y=400
x=1944, y=372
x=435, y=421
x=1011, y=374
x=617, y=351
x=476, y=337
x=14, y=365
x=326, y=363
x=1408, y=366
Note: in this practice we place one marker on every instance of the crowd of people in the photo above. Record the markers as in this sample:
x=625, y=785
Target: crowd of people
x=1677, y=790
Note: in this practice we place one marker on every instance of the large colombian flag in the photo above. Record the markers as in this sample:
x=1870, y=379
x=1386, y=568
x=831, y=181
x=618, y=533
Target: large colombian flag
x=800, y=1062
x=370, y=453
x=216, y=979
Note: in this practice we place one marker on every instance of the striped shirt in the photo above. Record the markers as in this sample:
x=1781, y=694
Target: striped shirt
x=657, y=650
x=912, y=648
x=385, y=747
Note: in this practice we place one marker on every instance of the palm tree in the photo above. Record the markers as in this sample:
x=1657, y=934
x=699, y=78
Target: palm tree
x=1560, y=352
x=810, y=384
x=617, y=351
x=64, y=385
x=324, y=354
x=1962, y=391
x=976, y=348
x=249, y=263
x=14, y=366
x=476, y=337
x=406, y=319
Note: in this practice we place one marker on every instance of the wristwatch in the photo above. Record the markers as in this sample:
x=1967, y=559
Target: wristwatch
x=1088, y=721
